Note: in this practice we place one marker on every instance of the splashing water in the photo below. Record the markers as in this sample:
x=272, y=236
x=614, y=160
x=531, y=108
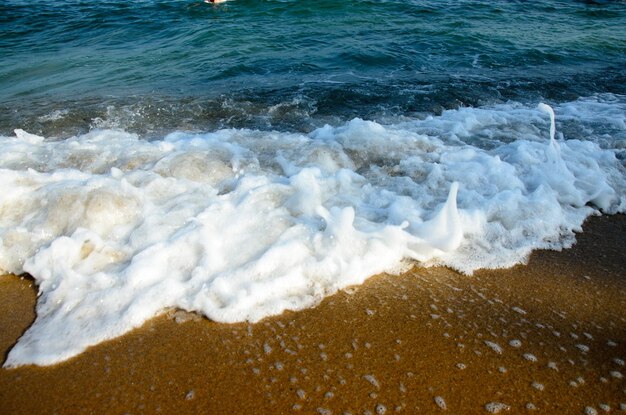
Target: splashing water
x=243, y=224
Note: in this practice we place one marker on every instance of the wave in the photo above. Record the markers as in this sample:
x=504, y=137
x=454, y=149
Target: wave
x=241, y=224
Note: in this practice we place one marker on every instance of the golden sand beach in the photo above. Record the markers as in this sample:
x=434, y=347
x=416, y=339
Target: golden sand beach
x=547, y=337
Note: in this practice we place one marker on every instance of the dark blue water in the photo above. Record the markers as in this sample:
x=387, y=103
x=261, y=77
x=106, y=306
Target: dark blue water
x=154, y=66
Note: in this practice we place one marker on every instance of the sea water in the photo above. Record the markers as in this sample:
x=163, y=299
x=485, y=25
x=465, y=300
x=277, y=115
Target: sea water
x=251, y=157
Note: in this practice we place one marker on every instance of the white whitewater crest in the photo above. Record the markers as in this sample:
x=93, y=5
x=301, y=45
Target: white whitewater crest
x=241, y=224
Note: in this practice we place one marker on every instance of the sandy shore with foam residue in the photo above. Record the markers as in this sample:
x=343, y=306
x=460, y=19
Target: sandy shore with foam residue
x=548, y=337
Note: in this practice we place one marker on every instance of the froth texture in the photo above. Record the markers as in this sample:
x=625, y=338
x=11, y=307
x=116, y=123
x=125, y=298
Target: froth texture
x=242, y=224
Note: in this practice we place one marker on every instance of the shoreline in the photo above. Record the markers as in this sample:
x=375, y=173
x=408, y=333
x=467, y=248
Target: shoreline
x=549, y=337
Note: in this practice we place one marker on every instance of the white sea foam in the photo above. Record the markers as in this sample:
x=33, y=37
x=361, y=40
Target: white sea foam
x=240, y=224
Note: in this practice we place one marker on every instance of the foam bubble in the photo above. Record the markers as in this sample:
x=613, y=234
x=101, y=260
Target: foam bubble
x=496, y=407
x=538, y=386
x=530, y=357
x=242, y=224
x=515, y=343
x=494, y=346
x=582, y=347
x=440, y=402
x=372, y=380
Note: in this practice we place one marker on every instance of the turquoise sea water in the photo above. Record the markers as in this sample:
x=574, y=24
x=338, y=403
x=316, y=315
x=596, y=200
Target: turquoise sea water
x=155, y=66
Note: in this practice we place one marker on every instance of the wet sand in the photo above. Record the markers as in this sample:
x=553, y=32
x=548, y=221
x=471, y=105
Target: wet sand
x=548, y=337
